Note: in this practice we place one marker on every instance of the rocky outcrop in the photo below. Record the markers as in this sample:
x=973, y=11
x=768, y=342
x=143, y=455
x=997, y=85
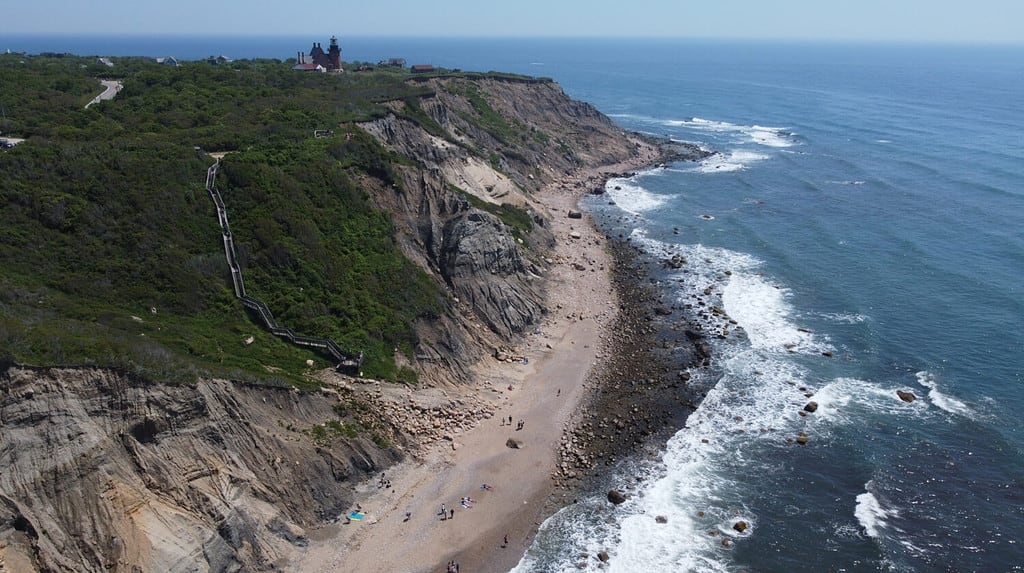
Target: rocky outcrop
x=495, y=272
x=482, y=265
x=103, y=473
x=616, y=497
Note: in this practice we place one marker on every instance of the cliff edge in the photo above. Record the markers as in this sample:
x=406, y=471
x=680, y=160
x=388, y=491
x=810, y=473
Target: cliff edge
x=108, y=471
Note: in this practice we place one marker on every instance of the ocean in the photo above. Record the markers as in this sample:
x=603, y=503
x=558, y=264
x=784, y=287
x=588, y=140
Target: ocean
x=861, y=228
x=860, y=231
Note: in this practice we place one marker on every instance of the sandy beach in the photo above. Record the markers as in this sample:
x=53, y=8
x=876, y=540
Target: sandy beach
x=403, y=530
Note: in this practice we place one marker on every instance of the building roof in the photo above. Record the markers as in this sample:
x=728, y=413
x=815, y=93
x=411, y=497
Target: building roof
x=308, y=67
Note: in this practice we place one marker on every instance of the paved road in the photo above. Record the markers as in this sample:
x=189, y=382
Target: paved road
x=113, y=86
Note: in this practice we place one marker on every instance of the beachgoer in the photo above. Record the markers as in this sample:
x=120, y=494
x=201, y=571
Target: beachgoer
x=453, y=513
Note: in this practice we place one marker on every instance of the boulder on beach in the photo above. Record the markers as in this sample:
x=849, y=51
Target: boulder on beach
x=575, y=214
x=514, y=443
x=615, y=496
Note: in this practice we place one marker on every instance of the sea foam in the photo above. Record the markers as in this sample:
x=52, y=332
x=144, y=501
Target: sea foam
x=734, y=160
x=941, y=400
x=762, y=311
x=631, y=197
x=778, y=137
x=870, y=513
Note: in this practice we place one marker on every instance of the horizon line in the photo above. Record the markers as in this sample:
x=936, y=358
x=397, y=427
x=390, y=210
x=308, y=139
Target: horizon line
x=623, y=37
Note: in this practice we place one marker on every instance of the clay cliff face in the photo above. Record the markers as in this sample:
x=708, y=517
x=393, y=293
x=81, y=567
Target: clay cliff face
x=102, y=473
x=500, y=140
x=99, y=472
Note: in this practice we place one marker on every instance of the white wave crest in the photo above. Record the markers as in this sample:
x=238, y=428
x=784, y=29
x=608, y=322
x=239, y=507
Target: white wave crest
x=631, y=197
x=848, y=400
x=941, y=400
x=844, y=318
x=732, y=161
x=762, y=311
x=870, y=513
x=770, y=136
x=778, y=137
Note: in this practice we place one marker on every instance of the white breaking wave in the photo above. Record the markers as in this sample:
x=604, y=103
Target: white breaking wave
x=941, y=400
x=848, y=400
x=778, y=137
x=844, y=318
x=732, y=161
x=631, y=197
x=762, y=311
x=870, y=513
x=770, y=136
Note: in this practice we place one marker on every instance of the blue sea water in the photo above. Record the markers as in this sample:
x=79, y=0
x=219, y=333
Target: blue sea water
x=862, y=223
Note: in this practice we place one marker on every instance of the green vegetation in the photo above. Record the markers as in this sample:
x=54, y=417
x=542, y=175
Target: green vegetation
x=516, y=218
x=110, y=252
x=323, y=434
x=489, y=119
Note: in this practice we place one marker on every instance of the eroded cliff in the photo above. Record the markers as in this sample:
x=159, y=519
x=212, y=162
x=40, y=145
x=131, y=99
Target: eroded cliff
x=104, y=472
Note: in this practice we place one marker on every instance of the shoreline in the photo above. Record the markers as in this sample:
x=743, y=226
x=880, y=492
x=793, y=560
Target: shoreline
x=569, y=358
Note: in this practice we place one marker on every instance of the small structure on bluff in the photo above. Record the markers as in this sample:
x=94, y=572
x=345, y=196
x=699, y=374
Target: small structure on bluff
x=329, y=60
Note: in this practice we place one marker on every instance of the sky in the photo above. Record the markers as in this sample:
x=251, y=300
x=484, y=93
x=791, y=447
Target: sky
x=931, y=21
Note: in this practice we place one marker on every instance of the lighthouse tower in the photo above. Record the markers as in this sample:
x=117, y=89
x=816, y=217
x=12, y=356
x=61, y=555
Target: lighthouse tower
x=334, y=56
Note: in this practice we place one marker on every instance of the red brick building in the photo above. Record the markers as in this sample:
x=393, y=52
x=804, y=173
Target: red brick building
x=330, y=60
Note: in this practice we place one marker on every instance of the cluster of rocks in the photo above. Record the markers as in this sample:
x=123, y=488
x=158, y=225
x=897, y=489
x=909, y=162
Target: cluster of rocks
x=642, y=384
x=507, y=355
x=429, y=421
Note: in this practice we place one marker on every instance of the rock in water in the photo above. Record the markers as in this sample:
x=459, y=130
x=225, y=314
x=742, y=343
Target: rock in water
x=603, y=556
x=661, y=519
x=615, y=496
x=740, y=526
x=811, y=407
x=906, y=395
